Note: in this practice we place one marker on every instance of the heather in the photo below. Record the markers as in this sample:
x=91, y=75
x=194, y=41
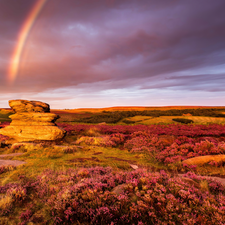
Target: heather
x=104, y=196
x=170, y=129
x=116, y=174
x=166, y=144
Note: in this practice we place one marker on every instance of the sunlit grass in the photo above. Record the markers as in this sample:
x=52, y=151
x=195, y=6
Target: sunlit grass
x=148, y=120
x=40, y=159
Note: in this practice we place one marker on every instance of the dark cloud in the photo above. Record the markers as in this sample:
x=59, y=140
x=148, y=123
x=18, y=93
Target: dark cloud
x=202, y=82
x=121, y=44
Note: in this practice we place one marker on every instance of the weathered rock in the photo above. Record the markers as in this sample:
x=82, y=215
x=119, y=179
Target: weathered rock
x=33, y=119
x=28, y=106
x=32, y=122
x=33, y=133
x=201, y=160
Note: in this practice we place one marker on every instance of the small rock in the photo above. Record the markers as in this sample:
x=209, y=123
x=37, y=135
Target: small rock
x=118, y=189
x=134, y=166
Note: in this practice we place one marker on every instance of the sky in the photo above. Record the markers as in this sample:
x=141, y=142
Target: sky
x=104, y=53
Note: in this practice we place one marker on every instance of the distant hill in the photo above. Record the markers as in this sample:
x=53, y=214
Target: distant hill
x=131, y=108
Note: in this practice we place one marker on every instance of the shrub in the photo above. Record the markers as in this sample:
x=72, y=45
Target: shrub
x=128, y=121
x=182, y=120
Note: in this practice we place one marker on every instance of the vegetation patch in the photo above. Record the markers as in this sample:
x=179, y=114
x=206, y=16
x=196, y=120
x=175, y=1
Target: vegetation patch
x=183, y=120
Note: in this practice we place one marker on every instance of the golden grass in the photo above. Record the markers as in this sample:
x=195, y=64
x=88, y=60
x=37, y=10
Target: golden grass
x=43, y=158
x=5, y=202
x=148, y=120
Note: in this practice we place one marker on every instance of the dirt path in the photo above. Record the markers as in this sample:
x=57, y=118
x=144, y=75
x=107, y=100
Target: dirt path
x=12, y=154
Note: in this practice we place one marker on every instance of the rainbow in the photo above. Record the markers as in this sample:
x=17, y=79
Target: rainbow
x=22, y=37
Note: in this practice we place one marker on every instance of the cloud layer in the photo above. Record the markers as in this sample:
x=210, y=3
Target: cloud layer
x=99, y=48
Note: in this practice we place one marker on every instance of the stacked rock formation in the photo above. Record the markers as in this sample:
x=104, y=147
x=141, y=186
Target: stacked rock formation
x=32, y=122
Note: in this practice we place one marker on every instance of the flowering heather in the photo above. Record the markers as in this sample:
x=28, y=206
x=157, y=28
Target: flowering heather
x=171, y=129
x=177, y=152
x=166, y=143
x=89, y=196
x=112, y=140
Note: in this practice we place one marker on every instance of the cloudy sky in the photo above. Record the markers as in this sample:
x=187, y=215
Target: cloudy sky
x=102, y=53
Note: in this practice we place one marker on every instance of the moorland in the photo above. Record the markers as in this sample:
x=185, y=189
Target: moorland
x=119, y=165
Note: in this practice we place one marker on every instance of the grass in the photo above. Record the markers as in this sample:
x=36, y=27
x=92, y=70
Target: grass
x=4, y=116
x=42, y=158
x=148, y=120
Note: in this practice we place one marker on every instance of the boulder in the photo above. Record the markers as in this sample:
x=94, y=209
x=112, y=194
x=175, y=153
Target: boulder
x=28, y=106
x=32, y=122
x=201, y=160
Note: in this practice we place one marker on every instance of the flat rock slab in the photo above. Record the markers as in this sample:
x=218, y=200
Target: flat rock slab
x=12, y=154
x=201, y=160
x=11, y=162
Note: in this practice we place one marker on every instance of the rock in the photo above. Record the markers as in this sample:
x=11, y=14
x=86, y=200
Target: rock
x=32, y=122
x=33, y=119
x=33, y=133
x=119, y=189
x=134, y=166
x=201, y=160
x=191, y=182
x=28, y=106
x=4, y=162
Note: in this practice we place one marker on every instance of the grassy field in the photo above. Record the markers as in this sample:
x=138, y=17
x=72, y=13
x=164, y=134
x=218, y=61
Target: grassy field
x=147, y=120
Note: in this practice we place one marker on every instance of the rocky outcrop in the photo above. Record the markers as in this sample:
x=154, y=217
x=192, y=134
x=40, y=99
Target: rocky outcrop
x=201, y=160
x=32, y=122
